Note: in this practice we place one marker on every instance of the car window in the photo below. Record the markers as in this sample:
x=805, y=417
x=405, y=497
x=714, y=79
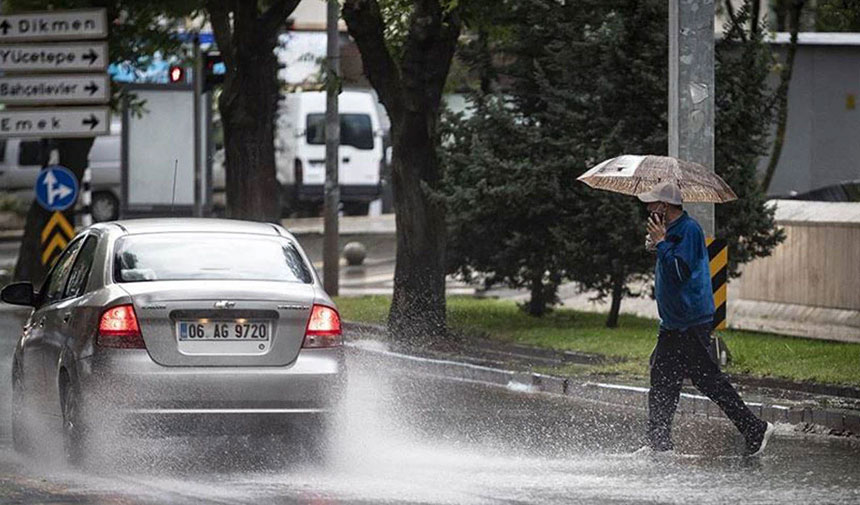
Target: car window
x=30, y=152
x=356, y=130
x=56, y=282
x=81, y=271
x=209, y=256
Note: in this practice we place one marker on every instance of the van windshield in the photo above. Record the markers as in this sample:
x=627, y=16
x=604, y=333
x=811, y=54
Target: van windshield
x=356, y=130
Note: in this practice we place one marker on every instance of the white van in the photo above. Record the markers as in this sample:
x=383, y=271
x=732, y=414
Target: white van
x=21, y=161
x=300, y=151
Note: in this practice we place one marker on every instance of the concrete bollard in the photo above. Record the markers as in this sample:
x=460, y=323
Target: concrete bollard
x=355, y=253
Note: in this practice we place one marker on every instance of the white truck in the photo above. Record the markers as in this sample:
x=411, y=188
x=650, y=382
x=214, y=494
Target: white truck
x=300, y=151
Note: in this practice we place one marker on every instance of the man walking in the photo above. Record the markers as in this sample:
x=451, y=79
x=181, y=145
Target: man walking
x=685, y=303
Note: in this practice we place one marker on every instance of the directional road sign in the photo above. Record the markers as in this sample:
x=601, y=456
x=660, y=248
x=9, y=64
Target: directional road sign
x=67, y=57
x=55, y=236
x=56, y=188
x=54, y=25
x=55, y=89
x=48, y=123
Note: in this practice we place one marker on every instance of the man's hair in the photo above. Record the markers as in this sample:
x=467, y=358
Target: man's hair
x=676, y=207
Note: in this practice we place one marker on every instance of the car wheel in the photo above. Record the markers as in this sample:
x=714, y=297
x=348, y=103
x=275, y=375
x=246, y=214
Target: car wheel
x=74, y=440
x=20, y=440
x=105, y=207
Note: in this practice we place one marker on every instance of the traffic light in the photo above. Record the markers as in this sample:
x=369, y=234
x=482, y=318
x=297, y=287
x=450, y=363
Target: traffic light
x=213, y=70
x=176, y=74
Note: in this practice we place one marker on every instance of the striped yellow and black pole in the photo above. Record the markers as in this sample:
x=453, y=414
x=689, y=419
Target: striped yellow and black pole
x=718, y=253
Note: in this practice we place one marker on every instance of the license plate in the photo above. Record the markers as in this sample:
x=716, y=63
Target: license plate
x=240, y=330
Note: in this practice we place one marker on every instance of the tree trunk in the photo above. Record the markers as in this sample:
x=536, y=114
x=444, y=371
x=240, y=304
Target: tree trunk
x=538, y=297
x=73, y=155
x=417, y=313
x=249, y=104
x=411, y=91
x=615, y=307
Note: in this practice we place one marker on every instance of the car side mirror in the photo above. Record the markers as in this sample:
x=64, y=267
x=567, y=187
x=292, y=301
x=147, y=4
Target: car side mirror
x=19, y=293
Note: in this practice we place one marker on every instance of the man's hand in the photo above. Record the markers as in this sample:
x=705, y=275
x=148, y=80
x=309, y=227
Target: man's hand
x=656, y=230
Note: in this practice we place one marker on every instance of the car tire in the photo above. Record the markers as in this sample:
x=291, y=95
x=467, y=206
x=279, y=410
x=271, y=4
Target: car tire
x=74, y=431
x=104, y=207
x=20, y=438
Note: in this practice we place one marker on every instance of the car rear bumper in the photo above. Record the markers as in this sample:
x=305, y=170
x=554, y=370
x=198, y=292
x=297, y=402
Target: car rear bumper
x=128, y=384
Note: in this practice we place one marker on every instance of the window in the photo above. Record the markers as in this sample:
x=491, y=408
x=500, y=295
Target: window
x=2, y=150
x=356, y=130
x=207, y=256
x=81, y=271
x=30, y=152
x=56, y=281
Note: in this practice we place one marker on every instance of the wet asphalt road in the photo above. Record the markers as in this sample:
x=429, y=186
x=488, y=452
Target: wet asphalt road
x=403, y=437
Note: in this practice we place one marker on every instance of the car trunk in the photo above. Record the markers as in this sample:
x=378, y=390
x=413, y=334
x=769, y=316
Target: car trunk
x=222, y=323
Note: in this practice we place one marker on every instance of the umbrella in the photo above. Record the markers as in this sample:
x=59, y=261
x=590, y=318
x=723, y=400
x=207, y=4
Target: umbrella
x=633, y=175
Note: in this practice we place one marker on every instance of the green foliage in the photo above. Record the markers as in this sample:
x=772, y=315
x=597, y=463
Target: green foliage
x=587, y=82
x=504, y=202
x=837, y=16
x=582, y=91
x=744, y=114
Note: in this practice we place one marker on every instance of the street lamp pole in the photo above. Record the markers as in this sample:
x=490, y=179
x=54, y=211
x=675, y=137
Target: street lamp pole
x=691, y=91
x=331, y=257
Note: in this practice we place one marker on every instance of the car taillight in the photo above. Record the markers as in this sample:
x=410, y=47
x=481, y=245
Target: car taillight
x=323, y=328
x=118, y=329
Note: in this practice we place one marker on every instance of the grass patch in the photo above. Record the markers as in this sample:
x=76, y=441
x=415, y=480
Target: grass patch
x=757, y=354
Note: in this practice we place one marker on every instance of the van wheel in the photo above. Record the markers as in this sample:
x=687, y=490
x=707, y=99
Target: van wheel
x=105, y=207
x=356, y=208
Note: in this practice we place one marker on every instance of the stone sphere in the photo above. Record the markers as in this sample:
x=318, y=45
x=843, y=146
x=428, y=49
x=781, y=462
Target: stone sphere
x=354, y=252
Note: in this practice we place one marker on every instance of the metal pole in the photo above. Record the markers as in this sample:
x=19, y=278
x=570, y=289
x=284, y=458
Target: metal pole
x=331, y=256
x=198, y=91
x=86, y=210
x=691, y=92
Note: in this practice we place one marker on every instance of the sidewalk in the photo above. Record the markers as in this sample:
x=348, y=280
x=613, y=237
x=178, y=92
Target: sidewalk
x=824, y=409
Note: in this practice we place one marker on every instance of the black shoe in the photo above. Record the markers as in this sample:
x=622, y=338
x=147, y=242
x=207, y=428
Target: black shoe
x=756, y=444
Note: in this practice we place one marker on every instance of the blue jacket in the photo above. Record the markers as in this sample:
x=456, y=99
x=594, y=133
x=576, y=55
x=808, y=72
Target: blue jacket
x=683, y=285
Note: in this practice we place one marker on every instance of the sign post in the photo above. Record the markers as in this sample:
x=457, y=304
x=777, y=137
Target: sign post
x=54, y=62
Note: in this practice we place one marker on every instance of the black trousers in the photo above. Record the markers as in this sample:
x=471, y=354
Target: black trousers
x=684, y=353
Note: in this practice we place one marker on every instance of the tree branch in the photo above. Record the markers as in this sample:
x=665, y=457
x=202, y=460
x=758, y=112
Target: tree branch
x=735, y=23
x=364, y=21
x=276, y=15
x=428, y=52
x=219, y=16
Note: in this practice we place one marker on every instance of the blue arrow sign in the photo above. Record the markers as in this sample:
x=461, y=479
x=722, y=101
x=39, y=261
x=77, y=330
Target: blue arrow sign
x=56, y=188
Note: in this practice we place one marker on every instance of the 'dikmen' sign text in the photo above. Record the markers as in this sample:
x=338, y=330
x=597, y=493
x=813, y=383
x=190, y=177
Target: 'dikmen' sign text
x=59, y=25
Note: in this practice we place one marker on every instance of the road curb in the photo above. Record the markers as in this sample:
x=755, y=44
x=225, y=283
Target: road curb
x=829, y=421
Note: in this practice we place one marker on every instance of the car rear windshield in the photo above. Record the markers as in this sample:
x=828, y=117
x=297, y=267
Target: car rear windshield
x=206, y=256
x=356, y=130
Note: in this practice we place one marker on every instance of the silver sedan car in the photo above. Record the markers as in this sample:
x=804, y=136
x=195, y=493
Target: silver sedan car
x=175, y=323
